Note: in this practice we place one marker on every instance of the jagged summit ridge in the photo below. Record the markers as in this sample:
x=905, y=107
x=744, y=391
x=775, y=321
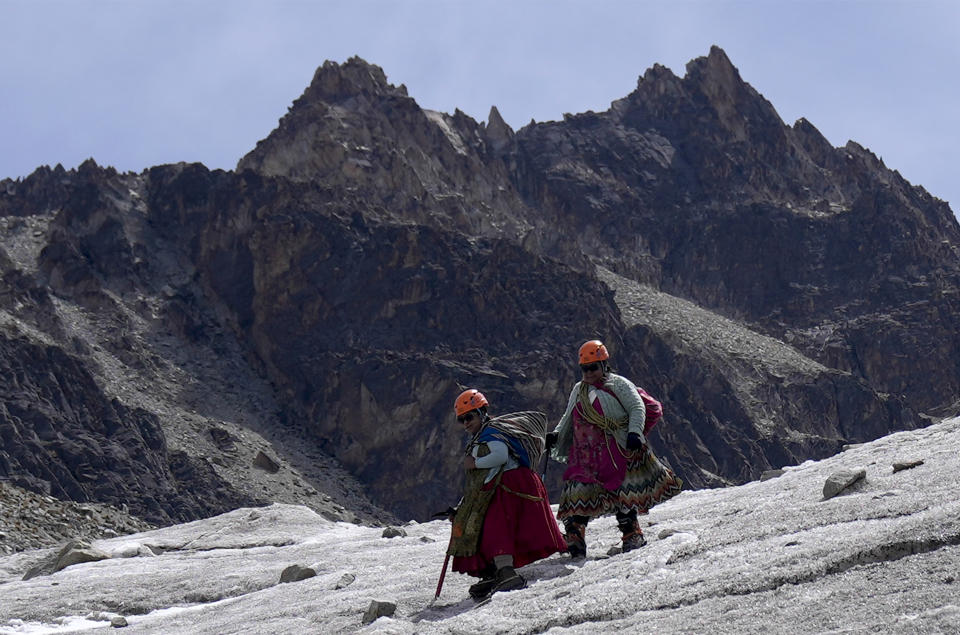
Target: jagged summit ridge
x=352, y=130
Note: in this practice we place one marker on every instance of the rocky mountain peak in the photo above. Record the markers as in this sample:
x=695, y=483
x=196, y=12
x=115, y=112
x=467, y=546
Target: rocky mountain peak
x=334, y=125
x=656, y=82
x=351, y=130
x=333, y=82
x=711, y=97
x=813, y=142
x=741, y=112
x=498, y=134
x=716, y=72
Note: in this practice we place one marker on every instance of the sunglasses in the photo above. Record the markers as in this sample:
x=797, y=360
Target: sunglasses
x=466, y=418
x=589, y=368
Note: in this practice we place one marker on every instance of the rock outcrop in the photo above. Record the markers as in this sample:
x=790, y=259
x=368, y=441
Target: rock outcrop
x=120, y=385
x=35, y=521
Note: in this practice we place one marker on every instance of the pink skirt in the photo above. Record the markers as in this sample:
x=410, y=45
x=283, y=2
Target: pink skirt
x=595, y=456
x=603, y=478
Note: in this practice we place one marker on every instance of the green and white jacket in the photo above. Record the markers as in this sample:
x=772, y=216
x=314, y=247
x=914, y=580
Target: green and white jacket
x=627, y=407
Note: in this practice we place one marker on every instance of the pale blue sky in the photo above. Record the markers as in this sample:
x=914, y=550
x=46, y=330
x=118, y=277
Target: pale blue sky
x=136, y=83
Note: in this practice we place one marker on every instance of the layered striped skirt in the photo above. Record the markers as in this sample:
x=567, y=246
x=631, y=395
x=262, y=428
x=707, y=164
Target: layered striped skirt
x=602, y=478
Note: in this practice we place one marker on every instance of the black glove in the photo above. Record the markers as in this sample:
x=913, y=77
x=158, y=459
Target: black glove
x=635, y=441
x=448, y=513
x=552, y=439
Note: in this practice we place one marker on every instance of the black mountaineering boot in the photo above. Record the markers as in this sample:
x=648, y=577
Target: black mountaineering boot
x=576, y=536
x=483, y=588
x=507, y=580
x=630, y=528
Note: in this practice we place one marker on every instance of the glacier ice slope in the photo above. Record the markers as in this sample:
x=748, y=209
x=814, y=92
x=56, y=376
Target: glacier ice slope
x=765, y=557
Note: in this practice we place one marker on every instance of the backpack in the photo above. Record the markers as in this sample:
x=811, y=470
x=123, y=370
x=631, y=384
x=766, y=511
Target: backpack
x=523, y=432
x=653, y=408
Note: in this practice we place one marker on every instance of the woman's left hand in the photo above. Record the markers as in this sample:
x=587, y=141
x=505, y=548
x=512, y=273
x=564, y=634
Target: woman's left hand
x=469, y=463
x=635, y=441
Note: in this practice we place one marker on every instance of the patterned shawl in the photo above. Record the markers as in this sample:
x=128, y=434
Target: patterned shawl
x=523, y=432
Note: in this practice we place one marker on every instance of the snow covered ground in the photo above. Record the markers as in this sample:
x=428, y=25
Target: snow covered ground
x=766, y=557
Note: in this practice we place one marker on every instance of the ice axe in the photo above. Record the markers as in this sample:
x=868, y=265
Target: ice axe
x=443, y=574
x=454, y=531
x=448, y=513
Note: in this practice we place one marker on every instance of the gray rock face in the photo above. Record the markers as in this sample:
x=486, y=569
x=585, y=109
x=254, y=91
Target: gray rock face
x=64, y=437
x=369, y=259
x=372, y=325
x=120, y=385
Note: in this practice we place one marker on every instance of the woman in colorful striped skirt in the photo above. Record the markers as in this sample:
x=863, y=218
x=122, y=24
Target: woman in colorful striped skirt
x=610, y=468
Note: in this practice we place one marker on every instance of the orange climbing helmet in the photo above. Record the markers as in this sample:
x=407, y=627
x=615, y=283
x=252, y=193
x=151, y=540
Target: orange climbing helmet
x=593, y=351
x=469, y=400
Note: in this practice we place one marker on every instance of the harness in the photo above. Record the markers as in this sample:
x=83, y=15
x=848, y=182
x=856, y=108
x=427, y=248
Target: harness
x=605, y=423
x=591, y=416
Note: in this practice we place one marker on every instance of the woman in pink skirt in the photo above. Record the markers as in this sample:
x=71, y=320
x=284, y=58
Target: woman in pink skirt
x=610, y=468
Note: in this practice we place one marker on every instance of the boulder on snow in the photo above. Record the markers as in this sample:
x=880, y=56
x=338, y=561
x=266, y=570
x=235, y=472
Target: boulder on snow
x=769, y=474
x=906, y=465
x=296, y=573
x=378, y=609
x=393, y=532
x=78, y=554
x=74, y=552
x=841, y=480
x=345, y=580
